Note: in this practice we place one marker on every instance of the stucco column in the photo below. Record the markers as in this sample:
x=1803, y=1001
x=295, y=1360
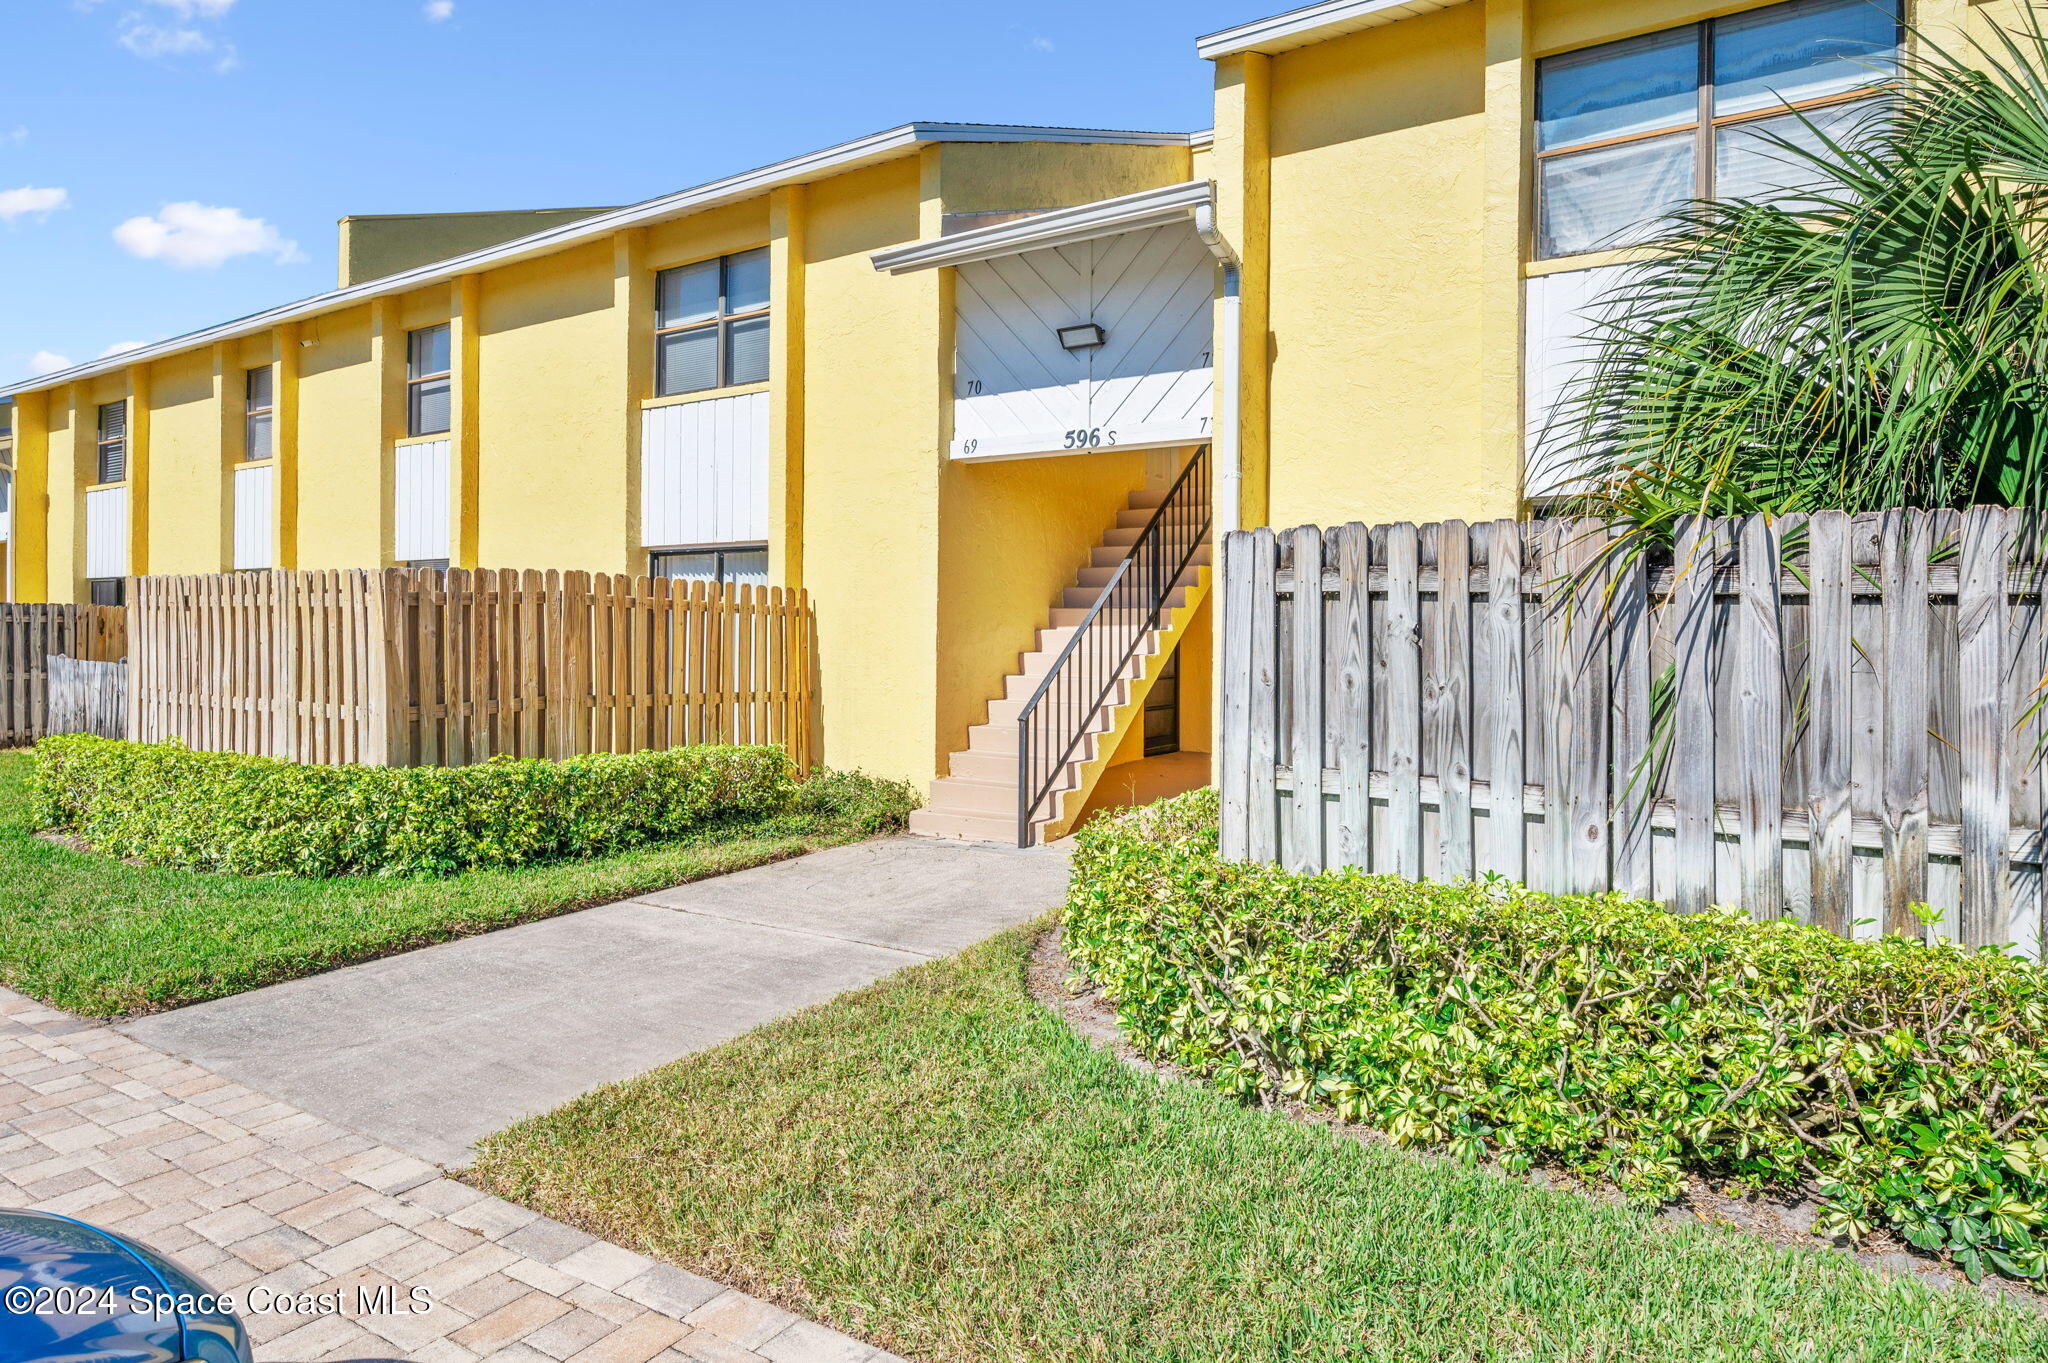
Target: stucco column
x=1510, y=117
x=284, y=445
x=138, y=469
x=1243, y=161
x=788, y=233
x=633, y=302
x=465, y=325
x=28, y=553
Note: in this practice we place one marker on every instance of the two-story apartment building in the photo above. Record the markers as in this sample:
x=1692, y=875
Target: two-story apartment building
x=942, y=376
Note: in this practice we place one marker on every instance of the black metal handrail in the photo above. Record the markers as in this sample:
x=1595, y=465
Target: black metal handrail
x=1062, y=711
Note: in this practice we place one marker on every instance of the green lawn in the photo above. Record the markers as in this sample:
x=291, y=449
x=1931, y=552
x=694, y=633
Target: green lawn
x=96, y=936
x=941, y=1166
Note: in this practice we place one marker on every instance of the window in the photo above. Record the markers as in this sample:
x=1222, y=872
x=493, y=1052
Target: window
x=1629, y=130
x=436, y=564
x=113, y=442
x=427, y=375
x=258, y=441
x=7, y=421
x=730, y=564
x=107, y=591
x=711, y=324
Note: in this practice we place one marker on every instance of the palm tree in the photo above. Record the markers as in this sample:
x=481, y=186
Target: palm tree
x=1879, y=339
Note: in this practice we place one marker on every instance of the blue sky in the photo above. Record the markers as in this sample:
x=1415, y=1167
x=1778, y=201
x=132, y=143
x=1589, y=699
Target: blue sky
x=167, y=164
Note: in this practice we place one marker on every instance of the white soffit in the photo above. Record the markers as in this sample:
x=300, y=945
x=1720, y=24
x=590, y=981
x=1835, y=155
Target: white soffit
x=1313, y=24
x=815, y=165
x=1060, y=227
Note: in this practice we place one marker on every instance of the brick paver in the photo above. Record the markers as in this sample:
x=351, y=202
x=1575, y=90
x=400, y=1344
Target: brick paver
x=279, y=1206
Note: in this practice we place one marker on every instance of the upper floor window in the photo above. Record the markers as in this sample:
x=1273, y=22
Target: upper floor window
x=258, y=411
x=428, y=372
x=1630, y=130
x=6, y=422
x=113, y=442
x=711, y=324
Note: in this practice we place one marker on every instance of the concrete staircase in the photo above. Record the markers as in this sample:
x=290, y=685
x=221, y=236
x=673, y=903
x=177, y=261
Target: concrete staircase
x=977, y=799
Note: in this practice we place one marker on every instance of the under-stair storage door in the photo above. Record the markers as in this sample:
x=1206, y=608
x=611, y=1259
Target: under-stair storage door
x=704, y=472
x=420, y=514
x=106, y=532
x=1092, y=345
x=255, y=514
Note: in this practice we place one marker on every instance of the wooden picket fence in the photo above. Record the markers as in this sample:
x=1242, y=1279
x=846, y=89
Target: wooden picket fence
x=30, y=634
x=88, y=697
x=424, y=668
x=1834, y=718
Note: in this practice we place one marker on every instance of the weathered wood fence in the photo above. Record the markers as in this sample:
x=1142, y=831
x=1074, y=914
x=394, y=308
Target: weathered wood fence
x=88, y=697
x=421, y=668
x=29, y=635
x=1833, y=718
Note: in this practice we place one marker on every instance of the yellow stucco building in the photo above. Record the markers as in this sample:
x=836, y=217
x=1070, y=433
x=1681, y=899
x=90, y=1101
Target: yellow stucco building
x=944, y=376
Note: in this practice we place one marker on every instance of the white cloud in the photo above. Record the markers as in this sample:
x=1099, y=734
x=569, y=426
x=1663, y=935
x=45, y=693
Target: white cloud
x=16, y=203
x=1042, y=45
x=438, y=11
x=14, y=136
x=199, y=236
x=121, y=348
x=152, y=41
x=185, y=10
x=47, y=362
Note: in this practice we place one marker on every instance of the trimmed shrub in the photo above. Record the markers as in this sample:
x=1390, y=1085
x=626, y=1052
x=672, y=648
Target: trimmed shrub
x=166, y=805
x=1903, y=1083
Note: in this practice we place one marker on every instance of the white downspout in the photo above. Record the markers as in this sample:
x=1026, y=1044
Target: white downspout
x=1230, y=374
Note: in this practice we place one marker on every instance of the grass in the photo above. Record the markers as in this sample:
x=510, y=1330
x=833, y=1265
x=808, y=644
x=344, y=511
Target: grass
x=941, y=1166
x=96, y=936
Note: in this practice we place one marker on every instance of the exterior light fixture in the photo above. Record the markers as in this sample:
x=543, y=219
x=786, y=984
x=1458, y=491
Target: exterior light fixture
x=1087, y=336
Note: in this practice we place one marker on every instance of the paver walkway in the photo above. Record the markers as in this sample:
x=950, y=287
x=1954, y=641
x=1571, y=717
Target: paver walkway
x=431, y=1050
x=267, y=1201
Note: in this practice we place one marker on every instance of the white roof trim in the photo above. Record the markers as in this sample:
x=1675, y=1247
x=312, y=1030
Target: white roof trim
x=815, y=165
x=1313, y=24
x=1060, y=227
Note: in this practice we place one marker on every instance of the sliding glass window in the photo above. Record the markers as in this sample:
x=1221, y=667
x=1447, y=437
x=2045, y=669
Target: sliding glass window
x=258, y=412
x=1630, y=130
x=428, y=375
x=711, y=324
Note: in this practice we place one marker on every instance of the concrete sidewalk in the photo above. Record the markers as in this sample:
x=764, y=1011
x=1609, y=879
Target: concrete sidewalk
x=431, y=1050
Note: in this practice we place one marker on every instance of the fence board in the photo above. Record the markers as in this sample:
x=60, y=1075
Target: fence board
x=1873, y=742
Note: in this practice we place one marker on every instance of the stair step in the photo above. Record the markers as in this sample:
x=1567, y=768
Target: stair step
x=931, y=823
x=958, y=795
x=1086, y=594
x=1002, y=739
x=1148, y=497
x=1110, y=553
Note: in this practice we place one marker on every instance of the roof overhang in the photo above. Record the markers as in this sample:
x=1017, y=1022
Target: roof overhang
x=1313, y=24
x=817, y=165
x=1060, y=227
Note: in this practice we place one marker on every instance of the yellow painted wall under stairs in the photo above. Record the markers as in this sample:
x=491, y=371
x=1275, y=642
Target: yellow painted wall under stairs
x=977, y=799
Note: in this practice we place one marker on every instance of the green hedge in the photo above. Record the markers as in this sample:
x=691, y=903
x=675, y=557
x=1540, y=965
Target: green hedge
x=1904, y=1083
x=166, y=805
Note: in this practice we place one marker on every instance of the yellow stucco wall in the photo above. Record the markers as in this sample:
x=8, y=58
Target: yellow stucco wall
x=997, y=177
x=1377, y=191
x=343, y=486
x=552, y=487
x=187, y=506
x=376, y=245
x=871, y=479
